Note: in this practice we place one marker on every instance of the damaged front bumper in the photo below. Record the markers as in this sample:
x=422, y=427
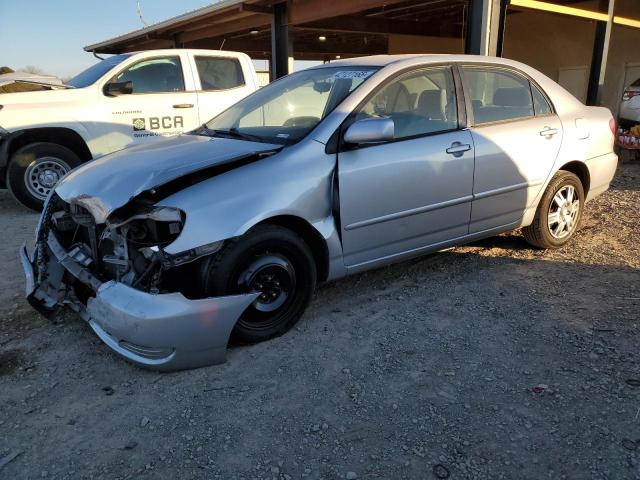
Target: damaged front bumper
x=158, y=331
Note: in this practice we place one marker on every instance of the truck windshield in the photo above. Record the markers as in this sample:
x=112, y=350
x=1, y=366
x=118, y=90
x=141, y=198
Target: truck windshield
x=285, y=111
x=94, y=72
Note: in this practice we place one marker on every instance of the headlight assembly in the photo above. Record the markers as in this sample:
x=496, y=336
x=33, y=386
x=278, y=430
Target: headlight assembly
x=154, y=226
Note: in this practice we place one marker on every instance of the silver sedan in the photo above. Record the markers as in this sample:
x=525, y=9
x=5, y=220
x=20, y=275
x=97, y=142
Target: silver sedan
x=170, y=250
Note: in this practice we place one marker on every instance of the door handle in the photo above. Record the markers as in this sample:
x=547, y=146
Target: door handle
x=548, y=132
x=457, y=149
x=183, y=105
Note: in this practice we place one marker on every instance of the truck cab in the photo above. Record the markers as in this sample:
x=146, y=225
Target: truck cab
x=124, y=100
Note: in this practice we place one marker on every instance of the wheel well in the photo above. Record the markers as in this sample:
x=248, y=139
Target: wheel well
x=581, y=171
x=310, y=235
x=61, y=136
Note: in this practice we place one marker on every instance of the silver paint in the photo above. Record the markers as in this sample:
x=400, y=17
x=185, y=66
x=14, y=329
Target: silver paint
x=193, y=332
x=397, y=199
x=370, y=130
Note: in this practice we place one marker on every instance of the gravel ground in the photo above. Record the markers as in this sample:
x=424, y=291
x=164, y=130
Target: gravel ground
x=488, y=361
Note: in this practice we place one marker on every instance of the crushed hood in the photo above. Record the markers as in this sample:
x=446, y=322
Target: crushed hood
x=110, y=182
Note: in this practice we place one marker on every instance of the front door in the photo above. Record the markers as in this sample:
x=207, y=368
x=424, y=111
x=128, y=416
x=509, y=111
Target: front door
x=163, y=103
x=517, y=137
x=413, y=191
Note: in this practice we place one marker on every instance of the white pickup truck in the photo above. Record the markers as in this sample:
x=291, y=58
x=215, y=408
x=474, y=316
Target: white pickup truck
x=124, y=100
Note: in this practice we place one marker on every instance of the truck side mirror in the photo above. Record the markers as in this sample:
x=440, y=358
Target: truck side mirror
x=114, y=89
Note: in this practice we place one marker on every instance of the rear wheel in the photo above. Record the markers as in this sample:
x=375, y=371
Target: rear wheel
x=35, y=169
x=272, y=261
x=559, y=212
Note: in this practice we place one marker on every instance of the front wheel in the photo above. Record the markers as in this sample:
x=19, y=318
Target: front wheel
x=272, y=261
x=35, y=169
x=559, y=212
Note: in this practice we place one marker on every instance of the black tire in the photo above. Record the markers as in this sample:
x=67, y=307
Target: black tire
x=246, y=263
x=540, y=233
x=26, y=165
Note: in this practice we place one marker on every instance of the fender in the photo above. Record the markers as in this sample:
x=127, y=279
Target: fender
x=228, y=205
x=73, y=132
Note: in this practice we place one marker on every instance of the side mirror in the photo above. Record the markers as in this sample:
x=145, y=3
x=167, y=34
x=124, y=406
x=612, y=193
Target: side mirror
x=370, y=130
x=114, y=89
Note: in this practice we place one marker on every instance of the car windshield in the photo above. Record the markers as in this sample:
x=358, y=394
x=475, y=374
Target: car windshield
x=285, y=111
x=94, y=72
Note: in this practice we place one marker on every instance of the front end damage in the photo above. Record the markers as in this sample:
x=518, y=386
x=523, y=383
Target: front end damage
x=136, y=297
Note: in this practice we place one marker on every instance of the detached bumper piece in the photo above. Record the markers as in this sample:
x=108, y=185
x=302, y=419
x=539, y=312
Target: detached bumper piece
x=158, y=331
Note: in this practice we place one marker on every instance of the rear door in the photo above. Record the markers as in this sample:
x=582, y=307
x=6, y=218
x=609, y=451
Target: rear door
x=413, y=191
x=163, y=102
x=517, y=137
x=220, y=82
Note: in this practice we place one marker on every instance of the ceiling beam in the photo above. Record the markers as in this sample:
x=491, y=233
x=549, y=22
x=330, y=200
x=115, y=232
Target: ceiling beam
x=375, y=25
x=305, y=11
x=247, y=23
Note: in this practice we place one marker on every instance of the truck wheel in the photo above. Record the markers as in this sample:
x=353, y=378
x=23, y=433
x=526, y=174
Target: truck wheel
x=35, y=169
x=273, y=261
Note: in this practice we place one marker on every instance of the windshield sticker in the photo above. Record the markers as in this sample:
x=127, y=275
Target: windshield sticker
x=352, y=74
x=282, y=135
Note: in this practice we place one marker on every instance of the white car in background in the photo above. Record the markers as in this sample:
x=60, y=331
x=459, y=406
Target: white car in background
x=629, y=115
x=124, y=100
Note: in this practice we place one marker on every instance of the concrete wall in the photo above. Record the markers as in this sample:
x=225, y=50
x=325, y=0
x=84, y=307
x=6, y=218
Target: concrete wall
x=549, y=42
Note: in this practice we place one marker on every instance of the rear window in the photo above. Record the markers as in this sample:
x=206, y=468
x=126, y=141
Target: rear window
x=636, y=83
x=219, y=73
x=498, y=95
x=540, y=103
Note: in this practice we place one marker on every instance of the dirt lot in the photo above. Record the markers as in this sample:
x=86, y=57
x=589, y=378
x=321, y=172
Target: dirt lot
x=488, y=361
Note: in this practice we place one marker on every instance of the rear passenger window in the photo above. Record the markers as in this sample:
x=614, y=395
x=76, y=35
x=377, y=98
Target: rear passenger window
x=419, y=103
x=219, y=73
x=540, y=103
x=498, y=95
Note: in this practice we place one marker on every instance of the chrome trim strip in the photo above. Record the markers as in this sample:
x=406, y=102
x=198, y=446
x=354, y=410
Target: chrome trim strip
x=507, y=189
x=408, y=213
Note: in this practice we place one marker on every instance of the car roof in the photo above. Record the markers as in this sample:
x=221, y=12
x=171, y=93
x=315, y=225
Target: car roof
x=412, y=59
x=193, y=51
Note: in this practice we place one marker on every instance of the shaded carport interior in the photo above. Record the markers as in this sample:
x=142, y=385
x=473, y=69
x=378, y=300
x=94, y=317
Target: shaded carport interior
x=322, y=30
x=318, y=30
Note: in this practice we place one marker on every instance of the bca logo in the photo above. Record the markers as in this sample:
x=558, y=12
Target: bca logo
x=138, y=124
x=157, y=123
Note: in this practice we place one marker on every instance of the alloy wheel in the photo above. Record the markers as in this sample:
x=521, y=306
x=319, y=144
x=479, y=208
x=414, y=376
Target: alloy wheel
x=563, y=212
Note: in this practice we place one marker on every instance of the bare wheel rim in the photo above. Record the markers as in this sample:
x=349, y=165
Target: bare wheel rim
x=564, y=211
x=42, y=175
x=273, y=277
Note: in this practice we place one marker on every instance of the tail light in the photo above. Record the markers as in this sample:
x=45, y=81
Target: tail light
x=629, y=94
x=613, y=126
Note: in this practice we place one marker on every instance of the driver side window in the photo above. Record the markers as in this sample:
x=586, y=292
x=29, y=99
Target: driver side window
x=154, y=75
x=419, y=103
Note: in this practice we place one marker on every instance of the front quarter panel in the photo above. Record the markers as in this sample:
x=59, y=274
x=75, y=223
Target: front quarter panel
x=297, y=181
